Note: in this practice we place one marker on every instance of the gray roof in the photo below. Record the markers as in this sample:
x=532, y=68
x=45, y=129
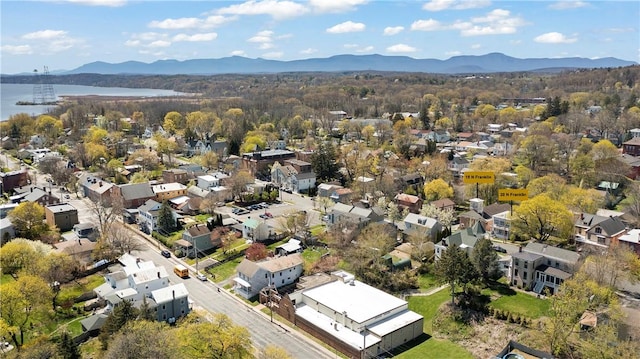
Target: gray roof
x=552, y=252
x=148, y=206
x=611, y=226
x=136, y=190
x=526, y=256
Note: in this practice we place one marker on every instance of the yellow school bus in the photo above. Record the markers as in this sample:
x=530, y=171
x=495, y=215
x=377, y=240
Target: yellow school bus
x=181, y=271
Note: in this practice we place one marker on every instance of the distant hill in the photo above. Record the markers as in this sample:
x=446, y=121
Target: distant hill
x=489, y=63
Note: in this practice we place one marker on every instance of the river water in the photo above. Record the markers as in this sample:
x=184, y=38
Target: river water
x=12, y=93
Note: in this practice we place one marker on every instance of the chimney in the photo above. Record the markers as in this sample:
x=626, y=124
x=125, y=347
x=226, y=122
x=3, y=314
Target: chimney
x=31, y=189
x=520, y=249
x=100, y=184
x=173, y=292
x=158, y=274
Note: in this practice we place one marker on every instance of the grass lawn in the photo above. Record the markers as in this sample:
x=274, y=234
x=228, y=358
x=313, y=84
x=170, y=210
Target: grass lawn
x=522, y=304
x=317, y=229
x=6, y=278
x=427, y=281
x=225, y=270
x=311, y=255
x=74, y=289
x=432, y=347
x=435, y=348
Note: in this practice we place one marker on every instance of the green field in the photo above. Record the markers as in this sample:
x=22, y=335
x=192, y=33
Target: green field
x=427, y=306
x=522, y=304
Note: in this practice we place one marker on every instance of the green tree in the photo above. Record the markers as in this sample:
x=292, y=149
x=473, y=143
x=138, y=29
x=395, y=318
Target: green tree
x=540, y=218
x=437, y=189
x=165, y=217
x=28, y=220
x=67, y=348
x=324, y=163
x=455, y=269
x=143, y=339
x=219, y=339
x=274, y=352
x=485, y=260
x=122, y=313
x=21, y=300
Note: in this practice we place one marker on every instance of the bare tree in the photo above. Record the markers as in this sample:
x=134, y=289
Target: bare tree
x=117, y=241
x=106, y=214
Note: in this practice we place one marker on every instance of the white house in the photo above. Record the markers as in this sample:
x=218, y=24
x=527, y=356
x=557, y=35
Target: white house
x=148, y=215
x=419, y=225
x=278, y=272
x=255, y=230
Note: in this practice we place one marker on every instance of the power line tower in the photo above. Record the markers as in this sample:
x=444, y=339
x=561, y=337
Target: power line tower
x=42, y=88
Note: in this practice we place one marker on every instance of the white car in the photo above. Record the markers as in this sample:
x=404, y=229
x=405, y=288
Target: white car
x=201, y=276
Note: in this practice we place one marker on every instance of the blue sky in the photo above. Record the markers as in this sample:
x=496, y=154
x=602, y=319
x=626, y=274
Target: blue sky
x=66, y=34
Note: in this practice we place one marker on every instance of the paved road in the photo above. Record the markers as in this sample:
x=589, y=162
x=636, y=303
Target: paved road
x=205, y=295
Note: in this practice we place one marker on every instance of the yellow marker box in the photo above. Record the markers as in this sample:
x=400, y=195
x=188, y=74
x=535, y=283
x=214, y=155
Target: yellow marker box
x=479, y=177
x=508, y=194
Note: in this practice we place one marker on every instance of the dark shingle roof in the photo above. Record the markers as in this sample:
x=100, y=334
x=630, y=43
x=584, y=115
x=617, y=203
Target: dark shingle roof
x=136, y=190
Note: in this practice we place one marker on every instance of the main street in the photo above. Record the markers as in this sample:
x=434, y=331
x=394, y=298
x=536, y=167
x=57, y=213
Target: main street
x=206, y=296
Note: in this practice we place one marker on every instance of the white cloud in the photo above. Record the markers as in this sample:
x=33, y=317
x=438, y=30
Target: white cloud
x=496, y=22
x=44, y=35
x=196, y=37
x=388, y=31
x=453, y=53
x=476, y=46
x=365, y=49
x=348, y=26
x=266, y=46
x=238, y=53
x=17, y=49
x=309, y=51
x=554, y=38
x=439, y=5
x=132, y=43
x=62, y=44
x=218, y=20
x=109, y=3
x=350, y=46
x=401, y=48
x=173, y=24
x=567, y=4
x=159, y=43
x=276, y=9
x=148, y=36
x=262, y=37
x=273, y=55
x=333, y=6
x=426, y=25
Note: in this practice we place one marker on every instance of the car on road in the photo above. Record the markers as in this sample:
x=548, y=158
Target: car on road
x=499, y=249
x=165, y=253
x=201, y=276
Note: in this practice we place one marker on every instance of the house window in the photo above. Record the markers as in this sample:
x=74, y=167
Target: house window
x=524, y=276
x=266, y=275
x=548, y=262
x=516, y=273
x=598, y=230
x=526, y=264
x=517, y=262
x=164, y=307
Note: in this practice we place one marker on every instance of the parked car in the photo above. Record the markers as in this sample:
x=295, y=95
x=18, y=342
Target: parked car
x=201, y=276
x=165, y=253
x=499, y=249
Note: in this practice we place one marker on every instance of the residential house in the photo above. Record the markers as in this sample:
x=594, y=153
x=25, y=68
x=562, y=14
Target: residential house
x=148, y=216
x=197, y=147
x=334, y=311
x=175, y=175
x=355, y=215
x=255, y=230
x=594, y=231
x=458, y=165
x=444, y=204
x=133, y=195
x=86, y=230
x=41, y=195
x=491, y=211
x=465, y=239
x=201, y=238
x=410, y=202
x=517, y=350
x=501, y=226
x=540, y=267
x=213, y=186
x=7, y=231
x=342, y=195
x=100, y=191
x=631, y=239
x=634, y=164
x=439, y=136
x=13, y=179
x=326, y=189
x=272, y=272
x=80, y=250
x=64, y=216
x=415, y=225
x=632, y=147
x=170, y=303
x=295, y=175
x=413, y=180
x=169, y=191
x=213, y=180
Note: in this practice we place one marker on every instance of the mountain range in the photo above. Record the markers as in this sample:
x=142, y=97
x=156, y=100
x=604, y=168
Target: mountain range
x=489, y=63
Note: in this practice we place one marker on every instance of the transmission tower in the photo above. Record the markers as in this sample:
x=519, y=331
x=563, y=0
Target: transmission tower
x=42, y=88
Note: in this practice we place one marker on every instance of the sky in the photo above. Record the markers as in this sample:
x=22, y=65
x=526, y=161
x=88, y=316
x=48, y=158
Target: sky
x=65, y=34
